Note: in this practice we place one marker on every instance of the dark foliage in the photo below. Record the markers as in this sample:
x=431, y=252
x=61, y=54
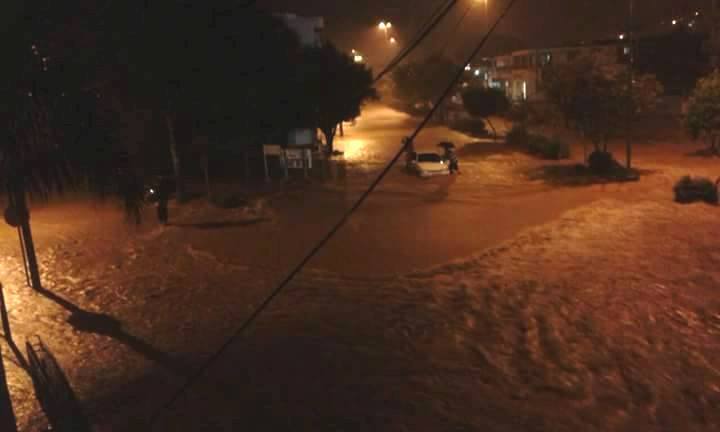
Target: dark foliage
x=518, y=136
x=537, y=145
x=548, y=148
x=334, y=88
x=693, y=189
x=483, y=103
x=60, y=130
x=602, y=162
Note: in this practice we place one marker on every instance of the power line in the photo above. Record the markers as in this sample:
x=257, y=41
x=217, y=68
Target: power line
x=457, y=28
x=346, y=216
x=418, y=41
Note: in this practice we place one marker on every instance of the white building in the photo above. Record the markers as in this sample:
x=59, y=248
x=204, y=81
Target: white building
x=520, y=73
x=308, y=29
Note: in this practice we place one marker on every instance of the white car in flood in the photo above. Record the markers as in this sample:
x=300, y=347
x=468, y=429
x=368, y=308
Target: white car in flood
x=428, y=164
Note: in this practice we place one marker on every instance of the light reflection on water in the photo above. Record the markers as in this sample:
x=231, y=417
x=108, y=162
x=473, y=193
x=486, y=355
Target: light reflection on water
x=355, y=149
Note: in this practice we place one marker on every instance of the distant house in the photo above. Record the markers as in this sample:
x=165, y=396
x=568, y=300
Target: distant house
x=520, y=73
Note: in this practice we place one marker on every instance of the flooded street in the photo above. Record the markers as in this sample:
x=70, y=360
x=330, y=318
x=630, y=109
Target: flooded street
x=488, y=301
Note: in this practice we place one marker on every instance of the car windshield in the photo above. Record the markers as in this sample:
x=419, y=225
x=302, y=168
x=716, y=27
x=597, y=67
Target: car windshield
x=429, y=157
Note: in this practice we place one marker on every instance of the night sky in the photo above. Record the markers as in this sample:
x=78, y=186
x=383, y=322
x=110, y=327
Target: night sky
x=349, y=23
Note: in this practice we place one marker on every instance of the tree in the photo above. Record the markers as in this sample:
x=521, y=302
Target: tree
x=225, y=68
x=483, y=103
x=422, y=82
x=57, y=133
x=644, y=93
x=600, y=105
x=703, y=116
x=239, y=99
x=335, y=88
x=561, y=84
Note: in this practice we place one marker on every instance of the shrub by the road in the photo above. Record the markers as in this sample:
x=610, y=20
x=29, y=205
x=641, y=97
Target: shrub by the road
x=692, y=189
x=537, y=145
x=518, y=136
x=602, y=162
x=548, y=148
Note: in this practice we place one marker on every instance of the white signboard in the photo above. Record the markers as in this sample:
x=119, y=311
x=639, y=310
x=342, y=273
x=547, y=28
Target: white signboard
x=272, y=150
x=301, y=137
x=297, y=158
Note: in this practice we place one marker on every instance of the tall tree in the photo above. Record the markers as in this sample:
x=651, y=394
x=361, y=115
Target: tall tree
x=56, y=133
x=335, y=88
x=249, y=90
x=600, y=105
x=225, y=67
x=484, y=103
x=422, y=82
x=703, y=116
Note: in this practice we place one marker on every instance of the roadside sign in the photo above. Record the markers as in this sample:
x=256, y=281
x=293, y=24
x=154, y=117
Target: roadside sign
x=272, y=150
x=298, y=158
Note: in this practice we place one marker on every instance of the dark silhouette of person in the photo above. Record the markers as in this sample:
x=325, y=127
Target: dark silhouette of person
x=163, y=196
x=454, y=165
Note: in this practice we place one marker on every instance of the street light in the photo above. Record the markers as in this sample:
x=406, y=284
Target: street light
x=393, y=40
x=358, y=58
x=385, y=26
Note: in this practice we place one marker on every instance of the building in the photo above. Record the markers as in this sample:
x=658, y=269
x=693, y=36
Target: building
x=520, y=73
x=308, y=29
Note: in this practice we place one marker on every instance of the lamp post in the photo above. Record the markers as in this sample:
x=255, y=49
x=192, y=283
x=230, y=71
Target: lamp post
x=385, y=27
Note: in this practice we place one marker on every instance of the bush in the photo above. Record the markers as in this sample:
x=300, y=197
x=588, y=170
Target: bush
x=548, y=148
x=518, y=136
x=692, y=189
x=602, y=162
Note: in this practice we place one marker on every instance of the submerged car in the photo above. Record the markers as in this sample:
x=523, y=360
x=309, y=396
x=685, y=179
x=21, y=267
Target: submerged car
x=427, y=164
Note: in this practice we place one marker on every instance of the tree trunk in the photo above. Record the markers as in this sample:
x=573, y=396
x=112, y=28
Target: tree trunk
x=628, y=153
x=342, y=132
x=175, y=155
x=246, y=164
x=17, y=195
x=329, y=139
x=206, y=173
x=495, y=135
x=7, y=416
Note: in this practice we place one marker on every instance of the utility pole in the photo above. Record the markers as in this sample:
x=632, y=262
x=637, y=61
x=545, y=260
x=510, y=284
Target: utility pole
x=631, y=83
x=7, y=415
x=714, y=36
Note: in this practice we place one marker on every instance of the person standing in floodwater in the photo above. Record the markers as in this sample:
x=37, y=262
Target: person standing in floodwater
x=163, y=196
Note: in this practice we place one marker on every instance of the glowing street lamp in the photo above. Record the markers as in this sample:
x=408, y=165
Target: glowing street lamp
x=358, y=58
x=385, y=27
x=393, y=40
